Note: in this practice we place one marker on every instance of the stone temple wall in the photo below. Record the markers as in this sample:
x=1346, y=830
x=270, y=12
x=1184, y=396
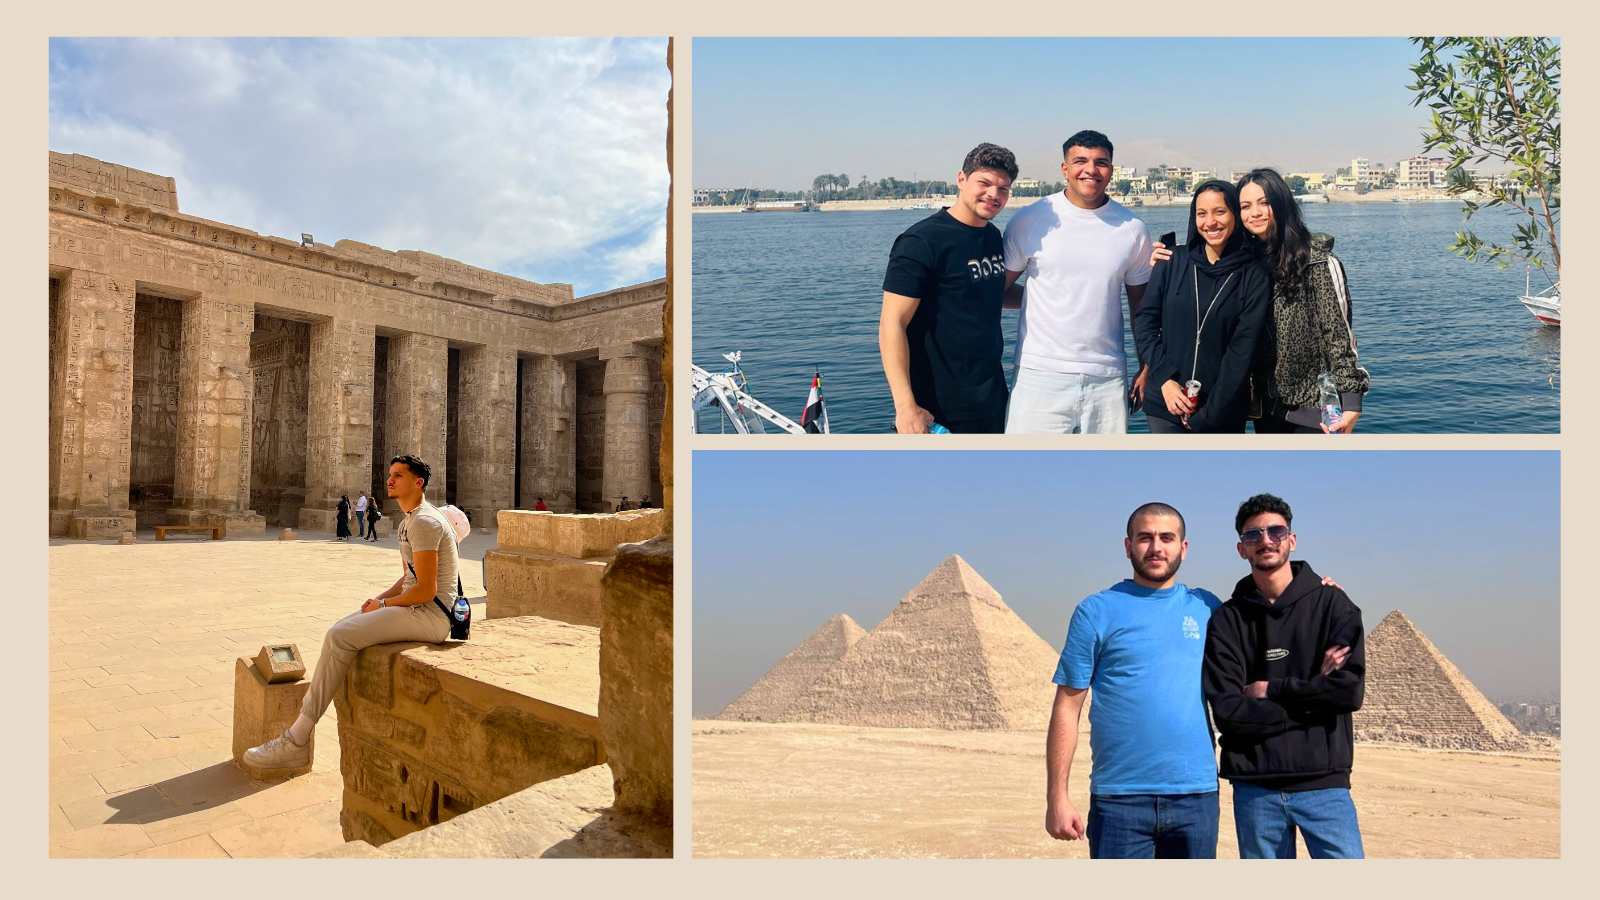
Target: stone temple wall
x=380, y=418
x=259, y=437
x=657, y=413
x=280, y=360
x=157, y=337
x=430, y=731
x=591, y=435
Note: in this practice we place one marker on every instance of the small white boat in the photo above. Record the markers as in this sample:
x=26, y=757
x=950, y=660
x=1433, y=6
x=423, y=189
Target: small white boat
x=1545, y=305
x=725, y=392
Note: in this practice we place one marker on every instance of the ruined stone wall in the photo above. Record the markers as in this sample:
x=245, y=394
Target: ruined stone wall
x=430, y=731
x=452, y=425
x=591, y=437
x=550, y=565
x=104, y=179
x=157, y=336
x=280, y=361
x=54, y=382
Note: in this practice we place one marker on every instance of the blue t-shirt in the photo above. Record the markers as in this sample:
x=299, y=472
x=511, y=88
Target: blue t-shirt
x=1139, y=651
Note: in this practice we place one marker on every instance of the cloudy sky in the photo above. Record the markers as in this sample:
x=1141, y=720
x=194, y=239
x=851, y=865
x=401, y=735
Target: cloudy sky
x=543, y=159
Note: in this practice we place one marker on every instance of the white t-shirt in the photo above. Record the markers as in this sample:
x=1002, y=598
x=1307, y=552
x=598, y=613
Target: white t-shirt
x=361, y=503
x=1077, y=261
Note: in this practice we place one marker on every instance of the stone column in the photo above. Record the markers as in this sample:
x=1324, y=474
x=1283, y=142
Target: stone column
x=486, y=421
x=549, y=466
x=211, y=480
x=416, y=402
x=338, y=419
x=627, y=387
x=91, y=407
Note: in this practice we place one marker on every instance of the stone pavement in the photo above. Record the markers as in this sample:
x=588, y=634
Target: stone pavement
x=143, y=640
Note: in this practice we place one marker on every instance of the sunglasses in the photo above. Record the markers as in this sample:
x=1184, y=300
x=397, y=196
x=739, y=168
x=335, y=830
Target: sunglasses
x=1273, y=533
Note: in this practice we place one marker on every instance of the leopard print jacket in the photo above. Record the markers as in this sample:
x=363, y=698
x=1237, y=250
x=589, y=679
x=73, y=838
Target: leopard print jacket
x=1314, y=333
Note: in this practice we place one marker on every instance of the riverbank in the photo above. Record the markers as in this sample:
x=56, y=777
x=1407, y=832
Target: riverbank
x=1138, y=202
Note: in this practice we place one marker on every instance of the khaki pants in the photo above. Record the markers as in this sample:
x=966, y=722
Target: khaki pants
x=359, y=630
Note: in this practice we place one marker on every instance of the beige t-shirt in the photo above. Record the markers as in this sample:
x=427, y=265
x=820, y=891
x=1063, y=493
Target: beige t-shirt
x=426, y=528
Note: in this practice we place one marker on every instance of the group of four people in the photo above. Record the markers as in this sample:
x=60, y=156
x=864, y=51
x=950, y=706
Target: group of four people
x=1251, y=310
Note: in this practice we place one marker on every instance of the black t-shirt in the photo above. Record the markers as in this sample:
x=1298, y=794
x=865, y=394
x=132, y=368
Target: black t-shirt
x=959, y=274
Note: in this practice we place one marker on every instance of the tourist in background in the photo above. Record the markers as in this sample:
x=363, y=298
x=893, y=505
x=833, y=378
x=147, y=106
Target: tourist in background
x=1311, y=326
x=361, y=514
x=343, y=524
x=939, y=329
x=540, y=507
x=372, y=520
x=1199, y=327
x=414, y=608
x=1284, y=668
x=1080, y=250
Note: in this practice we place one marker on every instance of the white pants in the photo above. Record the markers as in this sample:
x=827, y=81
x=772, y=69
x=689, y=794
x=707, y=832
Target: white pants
x=1052, y=403
x=358, y=631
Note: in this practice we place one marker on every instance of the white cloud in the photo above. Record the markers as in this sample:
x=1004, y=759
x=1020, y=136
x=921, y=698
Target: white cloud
x=531, y=157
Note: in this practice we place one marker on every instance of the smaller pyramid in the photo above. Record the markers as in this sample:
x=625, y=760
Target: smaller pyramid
x=770, y=698
x=951, y=655
x=1414, y=695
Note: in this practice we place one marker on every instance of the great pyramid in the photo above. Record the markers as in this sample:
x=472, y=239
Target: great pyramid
x=1416, y=696
x=951, y=655
x=769, y=699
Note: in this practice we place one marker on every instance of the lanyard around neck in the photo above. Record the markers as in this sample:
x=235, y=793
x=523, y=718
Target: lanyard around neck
x=1200, y=325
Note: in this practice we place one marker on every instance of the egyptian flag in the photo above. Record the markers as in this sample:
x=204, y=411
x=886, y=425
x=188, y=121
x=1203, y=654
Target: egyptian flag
x=815, y=418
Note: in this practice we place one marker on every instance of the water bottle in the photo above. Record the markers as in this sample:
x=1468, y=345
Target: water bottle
x=462, y=609
x=936, y=428
x=1331, y=410
x=1191, y=389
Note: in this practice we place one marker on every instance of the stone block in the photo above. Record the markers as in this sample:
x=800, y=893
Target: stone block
x=576, y=536
x=318, y=519
x=636, y=677
x=430, y=731
x=261, y=711
x=553, y=587
x=107, y=525
x=246, y=524
x=288, y=534
x=127, y=538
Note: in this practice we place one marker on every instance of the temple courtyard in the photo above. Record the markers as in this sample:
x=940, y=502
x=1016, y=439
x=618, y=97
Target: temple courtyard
x=143, y=641
x=766, y=790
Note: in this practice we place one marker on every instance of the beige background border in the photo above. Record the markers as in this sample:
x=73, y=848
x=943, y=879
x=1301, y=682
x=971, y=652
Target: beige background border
x=23, y=62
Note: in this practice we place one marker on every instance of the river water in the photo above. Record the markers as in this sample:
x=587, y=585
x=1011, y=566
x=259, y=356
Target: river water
x=1449, y=348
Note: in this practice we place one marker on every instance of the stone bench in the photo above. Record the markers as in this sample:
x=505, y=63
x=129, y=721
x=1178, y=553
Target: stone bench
x=549, y=564
x=216, y=530
x=430, y=731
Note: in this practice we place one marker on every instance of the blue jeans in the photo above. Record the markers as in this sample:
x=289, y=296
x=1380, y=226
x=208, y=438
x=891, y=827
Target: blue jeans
x=361, y=523
x=1266, y=820
x=1153, y=826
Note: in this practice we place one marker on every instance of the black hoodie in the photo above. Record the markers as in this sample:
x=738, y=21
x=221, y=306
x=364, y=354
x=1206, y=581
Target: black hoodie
x=1299, y=738
x=1234, y=315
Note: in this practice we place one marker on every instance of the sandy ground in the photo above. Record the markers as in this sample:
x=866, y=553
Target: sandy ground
x=784, y=791
x=142, y=643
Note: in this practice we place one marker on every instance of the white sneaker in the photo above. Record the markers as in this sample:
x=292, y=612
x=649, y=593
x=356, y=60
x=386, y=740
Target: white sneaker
x=279, y=753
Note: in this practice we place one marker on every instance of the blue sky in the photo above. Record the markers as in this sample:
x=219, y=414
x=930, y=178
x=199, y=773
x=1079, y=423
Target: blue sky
x=778, y=112
x=544, y=159
x=1466, y=544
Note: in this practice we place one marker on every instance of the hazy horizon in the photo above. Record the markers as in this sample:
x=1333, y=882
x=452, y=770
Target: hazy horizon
x=777, y=112
x=797, y=537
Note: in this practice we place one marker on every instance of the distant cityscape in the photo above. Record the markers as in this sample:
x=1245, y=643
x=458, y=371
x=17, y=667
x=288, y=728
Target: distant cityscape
x=1540, y=715
x=1417, y=173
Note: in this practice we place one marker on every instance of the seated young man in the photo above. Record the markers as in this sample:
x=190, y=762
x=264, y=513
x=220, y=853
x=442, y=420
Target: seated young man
x=404, y=612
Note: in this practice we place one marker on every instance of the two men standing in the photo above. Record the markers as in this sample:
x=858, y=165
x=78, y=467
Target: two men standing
x=951, y=274
x=1281, y=665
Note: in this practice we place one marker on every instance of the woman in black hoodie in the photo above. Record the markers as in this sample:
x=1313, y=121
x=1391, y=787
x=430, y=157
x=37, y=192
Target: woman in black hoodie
x=1201, y=319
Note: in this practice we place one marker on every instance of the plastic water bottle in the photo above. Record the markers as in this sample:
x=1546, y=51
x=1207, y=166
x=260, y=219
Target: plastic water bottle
x=462, y=609
x=1331, y=411
x=936, y=428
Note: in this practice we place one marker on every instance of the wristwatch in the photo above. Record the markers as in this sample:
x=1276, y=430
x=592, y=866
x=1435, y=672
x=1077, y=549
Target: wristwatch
x=383, y=601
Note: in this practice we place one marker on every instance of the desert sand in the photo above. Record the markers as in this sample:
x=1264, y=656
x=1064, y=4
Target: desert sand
x=804, y=791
